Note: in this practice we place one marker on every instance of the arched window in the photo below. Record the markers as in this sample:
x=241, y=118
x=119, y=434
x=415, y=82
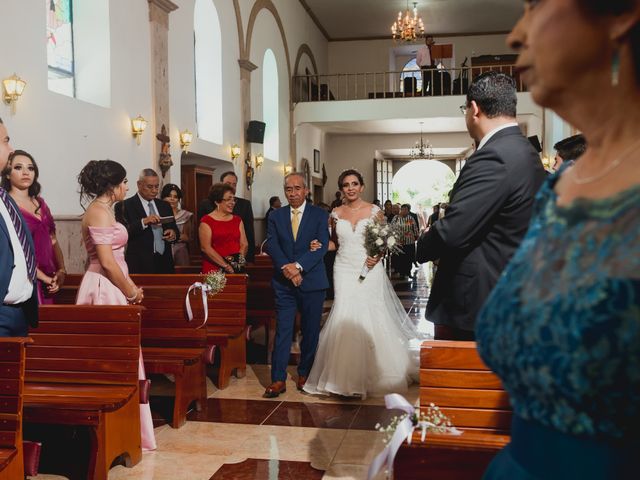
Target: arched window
x=270, y=106
x=208, y=71
x=411, y=69
x=78, y=49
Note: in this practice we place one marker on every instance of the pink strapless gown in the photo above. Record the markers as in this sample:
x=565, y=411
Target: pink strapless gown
x=97, y=289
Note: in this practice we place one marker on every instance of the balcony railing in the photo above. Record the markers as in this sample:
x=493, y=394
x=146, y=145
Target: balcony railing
x=399, y=84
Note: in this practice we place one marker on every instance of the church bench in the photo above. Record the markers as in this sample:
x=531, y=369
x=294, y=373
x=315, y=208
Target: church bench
x=82, y=370
x=12, y=360
x=226, y=326
x=453, y=377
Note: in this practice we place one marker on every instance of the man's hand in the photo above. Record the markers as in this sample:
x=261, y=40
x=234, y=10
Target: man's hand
x=169, y=235
x=290, y=270
x=151, y=220
x=297, y=280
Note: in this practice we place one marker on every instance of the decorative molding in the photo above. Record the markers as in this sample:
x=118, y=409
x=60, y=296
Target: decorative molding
x=304, y=48
x=166, y=5
x=236, y=7
x=315, y=19
x=247, y=65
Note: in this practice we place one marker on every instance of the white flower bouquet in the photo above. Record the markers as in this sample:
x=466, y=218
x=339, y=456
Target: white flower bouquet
x=380, y=238
x=215, y=282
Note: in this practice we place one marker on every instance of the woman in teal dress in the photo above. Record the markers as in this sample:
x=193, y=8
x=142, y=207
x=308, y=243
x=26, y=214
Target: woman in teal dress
x=562, y=326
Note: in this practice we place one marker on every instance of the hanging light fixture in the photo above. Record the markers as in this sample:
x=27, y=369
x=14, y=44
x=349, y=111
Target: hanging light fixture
x=421, y=150
x=408, y=28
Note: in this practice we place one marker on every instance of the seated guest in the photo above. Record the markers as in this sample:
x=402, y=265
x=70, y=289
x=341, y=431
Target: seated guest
x=562, y=326
x=569, y=149
x=172, y=194
x=20, y=179
x=274, y=204
x=222, y=238
x=150, y=225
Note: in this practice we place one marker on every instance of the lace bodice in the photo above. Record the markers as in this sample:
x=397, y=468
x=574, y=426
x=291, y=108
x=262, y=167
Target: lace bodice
x=562, y=326
x=351, y=236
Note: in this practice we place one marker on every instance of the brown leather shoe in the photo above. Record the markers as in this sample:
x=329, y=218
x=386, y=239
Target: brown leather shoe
x=275, y=389
x=300, y=382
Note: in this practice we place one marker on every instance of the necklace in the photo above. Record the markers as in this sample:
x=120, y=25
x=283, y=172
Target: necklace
x=356, y=208
x=606, y=170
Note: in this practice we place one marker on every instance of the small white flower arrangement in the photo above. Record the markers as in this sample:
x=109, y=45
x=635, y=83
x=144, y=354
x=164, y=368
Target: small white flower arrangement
x=431, y=420
x=215, y=282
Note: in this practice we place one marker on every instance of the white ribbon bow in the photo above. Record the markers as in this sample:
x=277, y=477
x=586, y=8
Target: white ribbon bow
x=404, y=430
x=204, y=290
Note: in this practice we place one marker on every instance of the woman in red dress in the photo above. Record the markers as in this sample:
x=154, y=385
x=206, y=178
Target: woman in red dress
x=222, y=237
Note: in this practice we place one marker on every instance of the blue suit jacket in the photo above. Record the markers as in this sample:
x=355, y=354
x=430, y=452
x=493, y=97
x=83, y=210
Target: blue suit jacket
x=6, y=269
x=314, y=225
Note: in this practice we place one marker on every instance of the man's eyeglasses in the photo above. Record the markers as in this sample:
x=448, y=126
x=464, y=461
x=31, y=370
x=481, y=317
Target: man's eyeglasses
x=463, y=109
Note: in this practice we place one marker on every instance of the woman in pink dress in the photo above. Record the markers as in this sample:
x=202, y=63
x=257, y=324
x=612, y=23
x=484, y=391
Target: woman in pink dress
x=20, y=179
x=107, y=281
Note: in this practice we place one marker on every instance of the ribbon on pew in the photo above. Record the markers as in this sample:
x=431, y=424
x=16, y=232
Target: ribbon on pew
x=204, y=291
x=403, y=431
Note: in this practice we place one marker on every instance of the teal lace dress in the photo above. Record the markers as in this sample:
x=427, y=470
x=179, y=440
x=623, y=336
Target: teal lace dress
x=562, y=330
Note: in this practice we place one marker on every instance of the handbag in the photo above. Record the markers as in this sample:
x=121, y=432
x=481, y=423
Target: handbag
x=237, y=262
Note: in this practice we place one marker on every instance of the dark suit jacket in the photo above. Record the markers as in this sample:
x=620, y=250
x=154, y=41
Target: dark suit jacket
x=30, y=307
x=139, y=255
x=283, y=249
x=243, y=209
x=487, y=218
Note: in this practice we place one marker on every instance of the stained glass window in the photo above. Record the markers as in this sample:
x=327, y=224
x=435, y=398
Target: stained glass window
x=60, y=46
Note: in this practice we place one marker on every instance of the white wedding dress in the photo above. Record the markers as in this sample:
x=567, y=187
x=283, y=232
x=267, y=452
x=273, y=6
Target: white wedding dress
x=368, y=345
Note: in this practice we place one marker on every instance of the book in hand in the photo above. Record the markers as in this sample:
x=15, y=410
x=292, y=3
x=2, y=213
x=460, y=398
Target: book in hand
x=168, y=219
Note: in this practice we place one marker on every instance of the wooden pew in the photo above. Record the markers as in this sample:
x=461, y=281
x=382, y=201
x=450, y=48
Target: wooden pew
x=227, y=324
x=173, y=345
x=261, y=308
x=453, y=377
x=12, y=360
x=82, y=369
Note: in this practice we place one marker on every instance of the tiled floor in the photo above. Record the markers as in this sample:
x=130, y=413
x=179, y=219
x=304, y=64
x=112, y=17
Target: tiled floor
x=241, y=435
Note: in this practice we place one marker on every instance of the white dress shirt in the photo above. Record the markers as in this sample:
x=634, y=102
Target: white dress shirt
x=20, y=287
x=423, y=56
x=488, y=136
x=145, y=205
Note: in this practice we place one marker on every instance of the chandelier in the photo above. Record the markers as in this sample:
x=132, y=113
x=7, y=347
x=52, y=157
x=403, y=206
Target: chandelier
x=408, y=28
x=421, y=150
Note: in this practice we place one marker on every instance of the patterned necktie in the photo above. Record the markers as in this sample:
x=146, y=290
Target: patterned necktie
x=158, y=242
x=295, y=222
x=21, y=231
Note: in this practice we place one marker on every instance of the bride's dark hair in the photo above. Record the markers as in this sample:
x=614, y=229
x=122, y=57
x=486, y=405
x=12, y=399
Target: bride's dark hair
x=346, y=173
x=99, y=177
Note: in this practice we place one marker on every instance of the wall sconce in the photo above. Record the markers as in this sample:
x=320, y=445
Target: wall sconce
x=235, y=151
x=259, y=160
x=13, y=88
x=288, y=169
x=138, y=126
x=186, y=138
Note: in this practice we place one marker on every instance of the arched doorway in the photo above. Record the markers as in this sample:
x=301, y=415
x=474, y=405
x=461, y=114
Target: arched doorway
x=422, y=184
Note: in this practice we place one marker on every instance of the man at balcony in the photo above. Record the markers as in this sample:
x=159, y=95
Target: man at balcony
x=489, y=210
x=425, y=62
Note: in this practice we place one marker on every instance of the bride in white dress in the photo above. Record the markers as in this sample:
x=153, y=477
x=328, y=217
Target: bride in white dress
x=368, y=345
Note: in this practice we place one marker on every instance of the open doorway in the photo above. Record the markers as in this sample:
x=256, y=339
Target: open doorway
x=422, y=184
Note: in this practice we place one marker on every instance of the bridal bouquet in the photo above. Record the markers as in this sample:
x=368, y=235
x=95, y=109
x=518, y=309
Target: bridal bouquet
x=380, y=238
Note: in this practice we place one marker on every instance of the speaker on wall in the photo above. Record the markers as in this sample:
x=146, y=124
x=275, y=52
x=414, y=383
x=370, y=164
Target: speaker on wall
x=255, y=132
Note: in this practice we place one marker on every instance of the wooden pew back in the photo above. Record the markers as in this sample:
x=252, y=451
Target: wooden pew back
x=85, y=345
x=12, y=361
x=454, y=377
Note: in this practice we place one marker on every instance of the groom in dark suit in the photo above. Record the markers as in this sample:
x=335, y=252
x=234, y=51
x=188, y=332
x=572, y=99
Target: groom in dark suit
x=150, y=239
x=489, y=210
x=299, y=280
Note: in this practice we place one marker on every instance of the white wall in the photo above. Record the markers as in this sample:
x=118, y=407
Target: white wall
x=63, y=133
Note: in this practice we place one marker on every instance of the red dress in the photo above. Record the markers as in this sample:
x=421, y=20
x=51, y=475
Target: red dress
x=225, y=239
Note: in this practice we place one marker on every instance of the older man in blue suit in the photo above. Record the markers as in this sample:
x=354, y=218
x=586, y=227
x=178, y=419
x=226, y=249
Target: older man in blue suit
x=19, y=307
x=299, y=281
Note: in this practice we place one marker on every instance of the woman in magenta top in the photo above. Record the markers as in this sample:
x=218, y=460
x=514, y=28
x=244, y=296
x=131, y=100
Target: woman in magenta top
x=221, y=232
x=20, y=179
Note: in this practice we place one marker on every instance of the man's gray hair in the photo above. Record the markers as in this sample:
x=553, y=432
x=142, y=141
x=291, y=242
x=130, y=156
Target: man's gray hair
x=296, y=174
x=147, y=172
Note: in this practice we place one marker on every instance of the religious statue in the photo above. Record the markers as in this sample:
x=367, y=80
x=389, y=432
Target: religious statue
x=165, y=162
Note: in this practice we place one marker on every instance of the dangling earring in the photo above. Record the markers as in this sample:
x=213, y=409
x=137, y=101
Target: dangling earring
x=615, y=68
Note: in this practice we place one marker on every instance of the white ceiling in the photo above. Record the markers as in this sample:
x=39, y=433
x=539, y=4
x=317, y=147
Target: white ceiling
x=350, y=19
x=396, y=126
